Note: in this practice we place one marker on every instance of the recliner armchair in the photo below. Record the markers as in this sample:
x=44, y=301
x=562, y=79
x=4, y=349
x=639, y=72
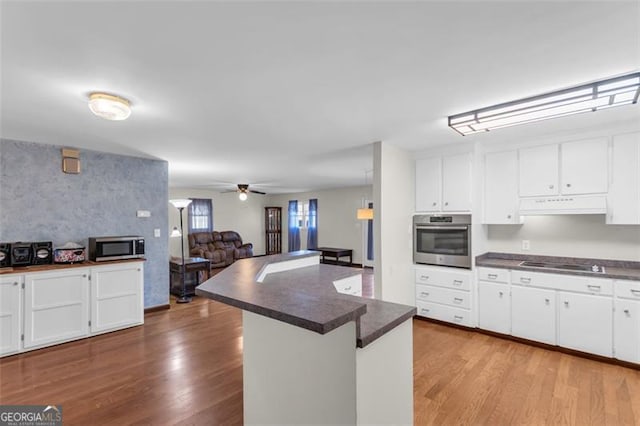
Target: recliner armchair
x=221, y=248
x=233, y=242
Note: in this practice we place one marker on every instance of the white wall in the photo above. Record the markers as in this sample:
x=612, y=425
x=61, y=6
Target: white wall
x=337, y=223
x=229, y=214
x=394, y=203
x=571, y=235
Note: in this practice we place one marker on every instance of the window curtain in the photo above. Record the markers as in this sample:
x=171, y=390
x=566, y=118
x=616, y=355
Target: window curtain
x=312, y=228
x=200, y=215
x=294, y=231
x=370, y=236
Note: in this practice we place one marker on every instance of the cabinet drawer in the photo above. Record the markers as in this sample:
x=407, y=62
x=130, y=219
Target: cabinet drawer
x=442, y=278
x=444, y=313
x=573, y=283
x=445, y=296
x=628, y=289
x=493, y=274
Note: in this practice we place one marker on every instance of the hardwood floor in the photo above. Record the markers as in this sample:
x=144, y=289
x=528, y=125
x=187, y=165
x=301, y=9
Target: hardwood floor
x=184, y=366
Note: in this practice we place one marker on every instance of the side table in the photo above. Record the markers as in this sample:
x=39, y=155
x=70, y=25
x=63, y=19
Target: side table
x=192, y=268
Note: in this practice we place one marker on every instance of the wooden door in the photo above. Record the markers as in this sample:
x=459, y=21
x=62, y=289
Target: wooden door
x=273, y=230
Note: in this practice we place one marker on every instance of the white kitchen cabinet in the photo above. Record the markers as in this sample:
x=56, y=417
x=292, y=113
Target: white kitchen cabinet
x=10, y=313
x=501, y=188
x=626, y=330
x=56, y=306
x=585, y=323
x=444, y=184
x=428, y=184
x=533, y=314
x=116, y=296
x=445, y=294
x=494, y=307
x=539, y=170
x=584, y=167
x=456, y=183
x=623, y=201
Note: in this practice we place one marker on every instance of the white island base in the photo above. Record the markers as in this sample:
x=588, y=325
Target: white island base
x=296, y=376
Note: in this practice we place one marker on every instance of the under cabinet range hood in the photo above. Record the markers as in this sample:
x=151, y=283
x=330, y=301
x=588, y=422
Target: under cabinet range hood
x=590, y=204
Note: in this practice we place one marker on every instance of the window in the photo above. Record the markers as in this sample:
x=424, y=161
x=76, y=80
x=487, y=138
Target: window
x=200, y=215
x=302, y=216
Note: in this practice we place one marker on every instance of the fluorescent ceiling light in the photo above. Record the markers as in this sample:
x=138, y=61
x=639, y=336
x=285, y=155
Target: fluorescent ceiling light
x=623, y=90
x=109, y=107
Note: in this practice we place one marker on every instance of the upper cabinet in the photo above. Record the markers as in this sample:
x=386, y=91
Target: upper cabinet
x=443, y=184
x=539, y=171
x=501, y=188
x=623, y=203
x=571, y=168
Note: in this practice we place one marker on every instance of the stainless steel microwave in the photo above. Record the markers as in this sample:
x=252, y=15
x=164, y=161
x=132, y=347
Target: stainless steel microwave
x=115, y=248
x=443, y=240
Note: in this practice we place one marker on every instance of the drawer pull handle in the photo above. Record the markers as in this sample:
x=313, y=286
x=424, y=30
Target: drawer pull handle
x=593, y=287
x=457, y=300
x=15, y=283
x=626, y=311
x=492, y=276
x=635, y=292
x=500, y=293
x=566, y=304
x=457, y=282
x=525, y=280
x=84, y=275
x=347, y=288
x=551, y=186
x=458, y=317
x=425, y=310
x=424, y=277
x=546, y=301
x=434, y=204
x=424, y=293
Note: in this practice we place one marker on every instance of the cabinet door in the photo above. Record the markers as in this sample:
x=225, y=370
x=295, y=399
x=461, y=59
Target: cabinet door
x=585, y=323
x=533, y=314
x=116, y=296
x=428, y=184
x=456, y=183
x=623, y=203
x=56, y=306
x=10, y=314
x=585, y=166
x=538, y=171
x=626, y=330
x=494, y=307
x=501, y=188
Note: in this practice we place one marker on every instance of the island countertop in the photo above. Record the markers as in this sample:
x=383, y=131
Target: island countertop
x=304, y=297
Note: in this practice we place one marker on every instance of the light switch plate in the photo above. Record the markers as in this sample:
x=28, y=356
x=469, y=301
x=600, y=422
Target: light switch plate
x=156, y=232
x=526, y=245
x=143, y=213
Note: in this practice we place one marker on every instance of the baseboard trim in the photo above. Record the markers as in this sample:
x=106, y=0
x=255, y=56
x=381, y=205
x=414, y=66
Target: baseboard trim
x=567, y=351
x=157, y=308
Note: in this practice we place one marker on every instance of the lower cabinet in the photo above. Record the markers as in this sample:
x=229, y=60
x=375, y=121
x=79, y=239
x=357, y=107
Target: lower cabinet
x=10, y=314
x=116, y=297
x=585, y=323
x=445, y=294
x=627, y=330
x=533, y=314
x=494, y=307
x=39, y=309
x=56, y=307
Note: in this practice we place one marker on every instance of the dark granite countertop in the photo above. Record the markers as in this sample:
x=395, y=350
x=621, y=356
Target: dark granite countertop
x=614, y=269
x=304, y=297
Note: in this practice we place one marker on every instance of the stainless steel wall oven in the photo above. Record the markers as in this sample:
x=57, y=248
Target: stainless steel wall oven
x=442, y=240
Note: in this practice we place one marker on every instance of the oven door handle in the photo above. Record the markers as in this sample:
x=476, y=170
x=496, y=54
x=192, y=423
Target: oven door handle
x=439, y=228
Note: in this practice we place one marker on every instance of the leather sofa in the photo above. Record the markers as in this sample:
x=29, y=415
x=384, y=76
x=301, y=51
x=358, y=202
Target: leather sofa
x=221, y=248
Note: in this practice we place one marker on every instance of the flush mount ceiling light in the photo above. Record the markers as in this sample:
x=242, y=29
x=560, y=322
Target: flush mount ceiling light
x=595, y=96
x=109, y=107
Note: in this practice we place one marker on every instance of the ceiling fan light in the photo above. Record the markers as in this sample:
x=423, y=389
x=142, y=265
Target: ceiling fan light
x=242, y=196
x=109, y=107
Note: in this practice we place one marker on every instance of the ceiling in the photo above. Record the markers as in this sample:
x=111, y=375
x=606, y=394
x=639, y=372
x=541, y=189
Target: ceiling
x=289, y=96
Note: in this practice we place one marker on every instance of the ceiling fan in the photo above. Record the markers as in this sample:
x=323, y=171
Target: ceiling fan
x=243, y=190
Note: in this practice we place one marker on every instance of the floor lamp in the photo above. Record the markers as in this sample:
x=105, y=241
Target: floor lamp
x=180, y=205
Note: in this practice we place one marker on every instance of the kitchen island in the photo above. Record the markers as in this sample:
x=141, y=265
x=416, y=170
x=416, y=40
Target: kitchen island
x=312, y=354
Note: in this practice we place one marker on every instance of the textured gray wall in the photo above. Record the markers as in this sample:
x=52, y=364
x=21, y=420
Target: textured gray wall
x=38, y=202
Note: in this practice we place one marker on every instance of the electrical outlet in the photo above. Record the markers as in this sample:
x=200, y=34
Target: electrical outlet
x=156, y=232
x=526, y=245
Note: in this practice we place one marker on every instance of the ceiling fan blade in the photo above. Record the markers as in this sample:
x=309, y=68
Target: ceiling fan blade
x=258, y=192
